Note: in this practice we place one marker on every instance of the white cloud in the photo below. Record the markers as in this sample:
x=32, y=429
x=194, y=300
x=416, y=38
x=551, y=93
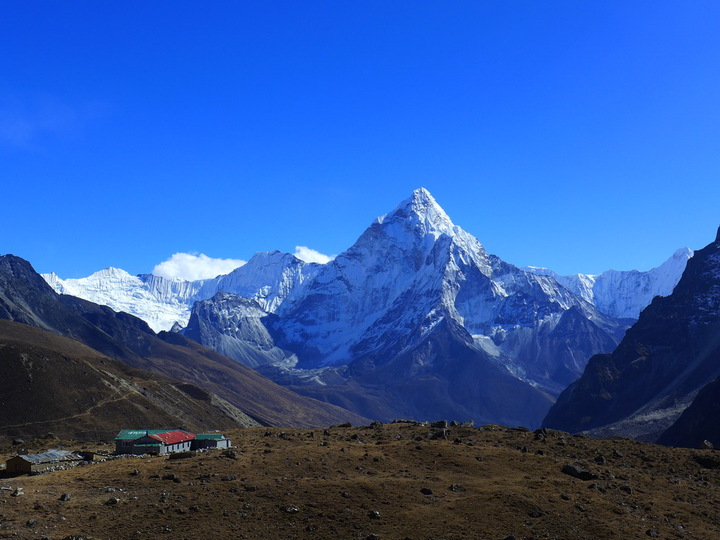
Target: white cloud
x=191, y=267
x=310, y=255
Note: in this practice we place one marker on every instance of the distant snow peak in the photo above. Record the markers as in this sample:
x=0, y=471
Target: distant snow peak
x=192, y=267
x=309, y=255
x=623, y=294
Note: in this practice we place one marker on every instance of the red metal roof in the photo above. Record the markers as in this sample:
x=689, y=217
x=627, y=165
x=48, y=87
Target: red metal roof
x=173, y=437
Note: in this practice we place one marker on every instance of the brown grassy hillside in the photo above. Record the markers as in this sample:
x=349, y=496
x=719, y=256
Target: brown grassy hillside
x=389, y=482
x=49, y=383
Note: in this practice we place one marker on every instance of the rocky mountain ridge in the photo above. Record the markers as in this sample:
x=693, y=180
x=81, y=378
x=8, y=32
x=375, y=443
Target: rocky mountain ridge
x=664, y=360
x=388, y=320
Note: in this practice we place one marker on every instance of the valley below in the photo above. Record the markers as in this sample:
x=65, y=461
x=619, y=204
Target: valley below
x=380, y=481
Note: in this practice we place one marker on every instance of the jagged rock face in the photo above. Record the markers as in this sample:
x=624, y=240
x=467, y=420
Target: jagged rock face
x=665, y=358
x=234, y=326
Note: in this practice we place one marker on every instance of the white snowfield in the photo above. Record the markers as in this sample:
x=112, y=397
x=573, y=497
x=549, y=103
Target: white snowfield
x=624, y=294
x=268, y=278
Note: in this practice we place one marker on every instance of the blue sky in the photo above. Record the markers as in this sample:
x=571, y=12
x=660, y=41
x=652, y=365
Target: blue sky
x=580, y=136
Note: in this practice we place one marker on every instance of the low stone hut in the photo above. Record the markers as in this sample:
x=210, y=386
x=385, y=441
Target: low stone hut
x=44, y=462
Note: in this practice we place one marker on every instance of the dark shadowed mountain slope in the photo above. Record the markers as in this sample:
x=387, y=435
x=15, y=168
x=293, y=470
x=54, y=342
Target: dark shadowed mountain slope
x=442, y=376
x=25, y=297
x=699, y=422
x=665, y=358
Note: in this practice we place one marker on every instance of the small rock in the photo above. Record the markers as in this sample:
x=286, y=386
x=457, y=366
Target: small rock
x=652, y=533
x=535, y=512
x=171, y=476
x=345, y=495
x=31, y=522
x=18, y=492
x=112, y=501
x=290, y=509
x=426, y=491
x=565, y=496
x=228, y=478
x=372, y=537
x=374, y=514
x=231, y=454
x=456, y=488
x=707, y=445
x=600, y=460
x=18, y=442
x=439, y=424
x=64, y=497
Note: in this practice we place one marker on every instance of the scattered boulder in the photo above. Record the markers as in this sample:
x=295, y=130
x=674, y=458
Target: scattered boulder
x=439, y=434
x=578, y=471
x=64, y=497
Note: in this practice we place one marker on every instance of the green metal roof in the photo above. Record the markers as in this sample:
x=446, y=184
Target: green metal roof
x=209, y=437
x=133, y=434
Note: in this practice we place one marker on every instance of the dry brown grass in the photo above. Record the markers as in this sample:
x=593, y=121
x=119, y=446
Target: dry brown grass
x=489, y=482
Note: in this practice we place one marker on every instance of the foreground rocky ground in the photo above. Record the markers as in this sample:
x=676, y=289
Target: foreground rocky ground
x=391, y=481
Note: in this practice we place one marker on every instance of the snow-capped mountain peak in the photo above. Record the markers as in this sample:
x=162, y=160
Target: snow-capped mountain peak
x=420, y=213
